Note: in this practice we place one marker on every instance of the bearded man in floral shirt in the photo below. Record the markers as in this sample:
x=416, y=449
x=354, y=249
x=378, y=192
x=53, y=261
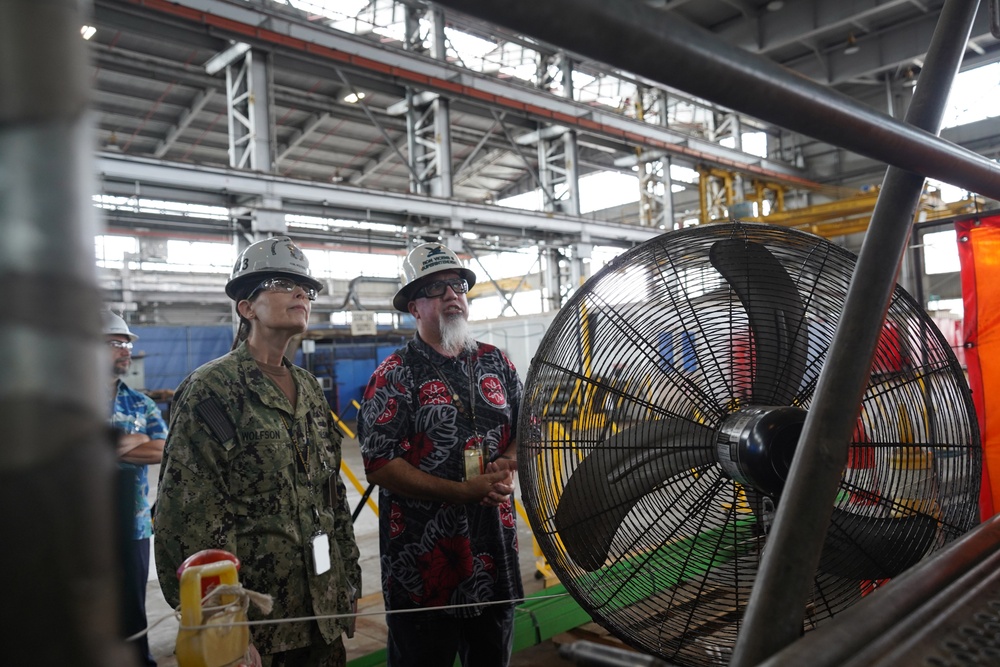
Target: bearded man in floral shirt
x=437, y=435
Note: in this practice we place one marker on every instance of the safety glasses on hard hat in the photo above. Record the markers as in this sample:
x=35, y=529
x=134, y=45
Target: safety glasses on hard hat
x=284, y=285
x=439, y=287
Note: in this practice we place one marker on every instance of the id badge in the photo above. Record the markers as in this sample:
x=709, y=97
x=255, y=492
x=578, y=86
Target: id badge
x=473, y=462
x=321, y=552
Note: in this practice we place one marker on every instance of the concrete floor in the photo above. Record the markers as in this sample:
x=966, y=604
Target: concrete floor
x=370, y=632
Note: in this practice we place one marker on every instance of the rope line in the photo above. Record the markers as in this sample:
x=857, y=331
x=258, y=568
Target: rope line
x=299, y=619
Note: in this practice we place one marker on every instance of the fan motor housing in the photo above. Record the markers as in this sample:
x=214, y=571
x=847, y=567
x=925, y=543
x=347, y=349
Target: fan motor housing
x=756, y=446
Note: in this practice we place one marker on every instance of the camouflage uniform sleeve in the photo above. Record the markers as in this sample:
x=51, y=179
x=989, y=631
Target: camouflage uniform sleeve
x=193, y=509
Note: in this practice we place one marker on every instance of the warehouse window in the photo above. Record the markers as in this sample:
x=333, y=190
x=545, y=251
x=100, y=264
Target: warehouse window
x=348, y=265
x=754, y=143
x=199, y=256
x=602, y=190
x=160, y=207
x=328, y=224
x=112, y=250
x=975, y=96
x=941, y=253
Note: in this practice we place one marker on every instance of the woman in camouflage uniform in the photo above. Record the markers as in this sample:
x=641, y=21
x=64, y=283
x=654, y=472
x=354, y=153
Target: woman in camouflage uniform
x=251, y=466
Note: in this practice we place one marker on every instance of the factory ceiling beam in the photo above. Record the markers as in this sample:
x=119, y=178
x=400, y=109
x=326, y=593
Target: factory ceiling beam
x=254, y=23
x=725, y=74
x=470, y=170
x=138, y=173
x=811, y=25
x=201, y=98
x=798, y=23
x=300, y=134
x=880, y=52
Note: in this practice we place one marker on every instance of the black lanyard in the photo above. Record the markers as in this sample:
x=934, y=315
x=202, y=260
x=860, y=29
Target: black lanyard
x=454, y=394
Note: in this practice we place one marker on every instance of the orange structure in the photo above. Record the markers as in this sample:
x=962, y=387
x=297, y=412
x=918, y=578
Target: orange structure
x=979, y=251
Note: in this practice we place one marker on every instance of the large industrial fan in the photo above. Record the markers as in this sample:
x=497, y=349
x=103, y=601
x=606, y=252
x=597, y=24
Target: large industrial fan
x=661, y=414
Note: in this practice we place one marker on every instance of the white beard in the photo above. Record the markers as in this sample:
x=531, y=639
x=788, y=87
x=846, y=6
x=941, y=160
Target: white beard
x=455, y=337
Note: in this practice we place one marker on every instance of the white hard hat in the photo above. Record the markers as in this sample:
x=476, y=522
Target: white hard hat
x=276, y=256
x=426, y=260
x=113, y=325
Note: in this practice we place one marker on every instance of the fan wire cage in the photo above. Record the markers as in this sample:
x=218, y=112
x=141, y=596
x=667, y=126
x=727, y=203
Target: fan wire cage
x=662, y=411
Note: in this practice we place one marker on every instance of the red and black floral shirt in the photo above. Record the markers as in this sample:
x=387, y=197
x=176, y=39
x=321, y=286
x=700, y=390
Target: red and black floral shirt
x=433, y=553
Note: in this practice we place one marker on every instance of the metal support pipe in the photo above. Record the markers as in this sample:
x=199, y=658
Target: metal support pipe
x=777, y=603
x=730, y=76
x=443, y=184
x=570, y=149
x=58, y=566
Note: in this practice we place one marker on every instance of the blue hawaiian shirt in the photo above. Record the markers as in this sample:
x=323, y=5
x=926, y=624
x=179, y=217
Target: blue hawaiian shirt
x=134, y=412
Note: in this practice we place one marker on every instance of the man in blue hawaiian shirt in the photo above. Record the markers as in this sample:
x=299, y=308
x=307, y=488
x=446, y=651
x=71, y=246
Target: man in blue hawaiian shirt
x=141, y=434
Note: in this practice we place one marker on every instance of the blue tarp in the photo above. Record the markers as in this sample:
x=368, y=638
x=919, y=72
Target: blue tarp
x=171, y=353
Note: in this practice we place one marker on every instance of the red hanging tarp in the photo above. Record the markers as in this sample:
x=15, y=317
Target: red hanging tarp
x=979, y=251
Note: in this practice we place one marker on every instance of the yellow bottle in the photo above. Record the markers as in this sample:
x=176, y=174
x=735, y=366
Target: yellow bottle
x=220, y=644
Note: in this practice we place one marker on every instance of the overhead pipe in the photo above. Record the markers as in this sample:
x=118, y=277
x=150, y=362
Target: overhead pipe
x=58, y=567
x=667, y=49
x=352, y=296
x=775, y=611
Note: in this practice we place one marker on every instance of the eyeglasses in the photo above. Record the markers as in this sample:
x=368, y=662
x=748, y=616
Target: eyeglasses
x=439, y=287
x=120, y=344
x=284, y=285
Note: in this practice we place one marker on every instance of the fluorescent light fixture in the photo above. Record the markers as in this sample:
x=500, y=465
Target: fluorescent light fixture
x=774, y=5
x=224, y=59
x=88, y=31
x=852, y=46
x=354, y=98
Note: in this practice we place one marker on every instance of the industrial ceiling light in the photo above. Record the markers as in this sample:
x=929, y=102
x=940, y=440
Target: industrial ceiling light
x=354, y=98
x=88, y=31
x=112, y=143
x=852, y=46
x=774, y=5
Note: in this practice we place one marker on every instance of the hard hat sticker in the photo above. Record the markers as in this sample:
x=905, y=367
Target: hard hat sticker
x=295, y=252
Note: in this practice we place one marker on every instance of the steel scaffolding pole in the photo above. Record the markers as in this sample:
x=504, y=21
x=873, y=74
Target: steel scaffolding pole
x=58, y=566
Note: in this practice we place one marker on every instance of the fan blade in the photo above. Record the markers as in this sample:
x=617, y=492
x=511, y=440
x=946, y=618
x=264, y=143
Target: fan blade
x=863, y=547
x=776, y=313
x=615, y=476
